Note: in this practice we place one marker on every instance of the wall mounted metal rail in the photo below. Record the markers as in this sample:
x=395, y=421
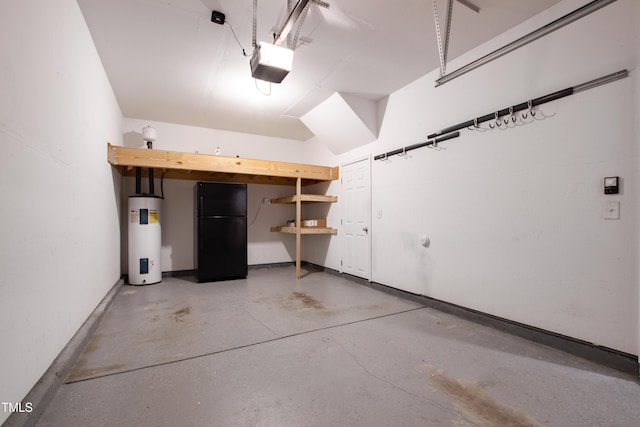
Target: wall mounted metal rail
x=404, y=150
x=522, y=41
x=533, y=102
x=453, y=131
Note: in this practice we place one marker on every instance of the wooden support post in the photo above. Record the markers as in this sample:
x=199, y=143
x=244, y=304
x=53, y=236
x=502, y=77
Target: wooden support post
x=298, y=224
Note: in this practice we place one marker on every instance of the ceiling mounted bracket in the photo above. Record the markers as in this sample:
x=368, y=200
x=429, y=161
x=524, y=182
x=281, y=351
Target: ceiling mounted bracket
x=564, y=20
x=292, y=39
x=470, y=5
x=296, y=12
x=443, y=47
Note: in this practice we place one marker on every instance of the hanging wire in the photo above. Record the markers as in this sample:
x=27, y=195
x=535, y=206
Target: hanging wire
x=260, y=90
x=236, y=37
x=162, y=184
x=257, y=213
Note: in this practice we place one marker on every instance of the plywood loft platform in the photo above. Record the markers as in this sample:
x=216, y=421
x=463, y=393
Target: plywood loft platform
x=209, y=167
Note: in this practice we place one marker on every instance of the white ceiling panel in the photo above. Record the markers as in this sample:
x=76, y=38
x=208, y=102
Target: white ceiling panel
x=168, y=62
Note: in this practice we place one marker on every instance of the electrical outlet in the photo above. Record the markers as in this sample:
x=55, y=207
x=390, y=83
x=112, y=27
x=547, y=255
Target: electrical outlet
x=611, y=210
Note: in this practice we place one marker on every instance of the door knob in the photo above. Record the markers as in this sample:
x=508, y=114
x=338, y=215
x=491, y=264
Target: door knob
x=365, y=229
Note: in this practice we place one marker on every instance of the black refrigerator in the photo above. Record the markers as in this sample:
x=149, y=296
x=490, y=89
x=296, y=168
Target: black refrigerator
x=221, y=231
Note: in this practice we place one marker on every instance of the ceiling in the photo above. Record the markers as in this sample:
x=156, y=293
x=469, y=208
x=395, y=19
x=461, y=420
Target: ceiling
x=167, y=61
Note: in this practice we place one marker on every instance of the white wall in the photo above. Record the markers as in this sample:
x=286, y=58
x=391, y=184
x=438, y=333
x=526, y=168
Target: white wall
x=264, y=246
x=192, y=139
x=516, y=216
x=636, y=138
x=60, y=199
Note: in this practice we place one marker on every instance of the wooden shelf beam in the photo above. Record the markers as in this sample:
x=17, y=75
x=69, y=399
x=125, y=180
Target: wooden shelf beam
x=208, y=167
x=305, y=230
x=306, y=198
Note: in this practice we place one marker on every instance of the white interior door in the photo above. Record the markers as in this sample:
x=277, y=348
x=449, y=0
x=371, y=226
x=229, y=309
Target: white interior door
x=356, y=218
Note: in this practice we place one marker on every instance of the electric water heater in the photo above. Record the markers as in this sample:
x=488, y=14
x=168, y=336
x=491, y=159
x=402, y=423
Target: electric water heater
x=144, y=240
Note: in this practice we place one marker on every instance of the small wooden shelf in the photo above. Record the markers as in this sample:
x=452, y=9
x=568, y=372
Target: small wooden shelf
x=298, y=199
x=305, y=230
x=306, y=198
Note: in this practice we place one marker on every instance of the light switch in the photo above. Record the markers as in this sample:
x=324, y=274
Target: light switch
x=611, y=210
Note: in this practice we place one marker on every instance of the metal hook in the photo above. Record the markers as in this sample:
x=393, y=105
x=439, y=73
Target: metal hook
x=530, y=105
x=497, y=122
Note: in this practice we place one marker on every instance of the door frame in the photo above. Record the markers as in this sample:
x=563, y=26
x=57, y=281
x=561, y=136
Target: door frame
x=369, y=254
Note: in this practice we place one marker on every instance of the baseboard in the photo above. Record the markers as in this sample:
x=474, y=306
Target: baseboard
x=605, y=356
x=43, y=391
x=178, y=273
x=271, y=265
x=183, y=273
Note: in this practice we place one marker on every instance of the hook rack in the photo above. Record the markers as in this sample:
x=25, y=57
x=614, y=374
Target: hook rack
x=453, y=131
x=432, y=143
x=528, y=105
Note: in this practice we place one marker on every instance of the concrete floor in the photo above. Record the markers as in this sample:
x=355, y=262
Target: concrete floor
x=322, y=351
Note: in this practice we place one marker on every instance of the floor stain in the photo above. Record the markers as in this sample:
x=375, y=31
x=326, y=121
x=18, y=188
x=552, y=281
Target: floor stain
x=79, y=374
x=307, y=300
x=179, y=315
x=154, y=305
x=476, y=402
x=93, y=344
